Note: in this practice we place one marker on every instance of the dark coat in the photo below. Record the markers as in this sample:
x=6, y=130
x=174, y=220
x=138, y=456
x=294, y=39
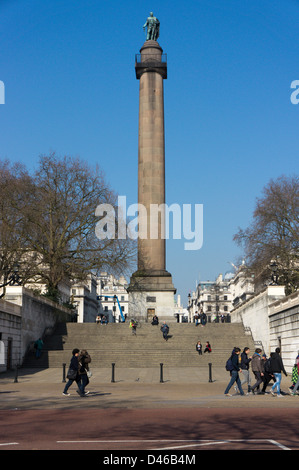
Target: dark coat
x=277, y=364
x=235, y=361
x=83, y=359
x=245, y=361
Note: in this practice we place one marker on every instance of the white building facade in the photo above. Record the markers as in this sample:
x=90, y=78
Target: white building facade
x=113, y=297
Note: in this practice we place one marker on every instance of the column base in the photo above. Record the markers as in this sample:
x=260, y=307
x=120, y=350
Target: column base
x=151, y=293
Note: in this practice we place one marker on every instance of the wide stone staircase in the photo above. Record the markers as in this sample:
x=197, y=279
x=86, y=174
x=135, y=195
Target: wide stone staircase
x=114, y=343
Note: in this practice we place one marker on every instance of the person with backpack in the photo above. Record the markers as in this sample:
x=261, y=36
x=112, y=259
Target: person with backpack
x=232, y=365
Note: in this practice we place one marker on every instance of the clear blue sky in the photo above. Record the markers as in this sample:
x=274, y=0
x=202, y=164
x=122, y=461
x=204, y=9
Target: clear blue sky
x=70, y=87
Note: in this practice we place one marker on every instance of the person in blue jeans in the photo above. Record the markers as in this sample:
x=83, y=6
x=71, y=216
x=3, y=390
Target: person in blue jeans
x=277, y=367
x=235, y=372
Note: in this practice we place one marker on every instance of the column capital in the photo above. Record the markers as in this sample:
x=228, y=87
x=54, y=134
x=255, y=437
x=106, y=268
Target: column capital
x=151, y=59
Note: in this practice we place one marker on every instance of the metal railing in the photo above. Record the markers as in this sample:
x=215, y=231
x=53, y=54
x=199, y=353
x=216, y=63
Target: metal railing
x=151, y=58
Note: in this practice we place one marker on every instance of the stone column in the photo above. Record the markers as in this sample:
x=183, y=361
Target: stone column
x=151, y=156
x=151, y=276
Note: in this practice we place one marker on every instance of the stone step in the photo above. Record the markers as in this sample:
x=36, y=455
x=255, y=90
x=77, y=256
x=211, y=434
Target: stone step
x=114, y=343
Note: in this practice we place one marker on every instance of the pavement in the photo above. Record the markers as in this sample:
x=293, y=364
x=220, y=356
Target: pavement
x=36, y=389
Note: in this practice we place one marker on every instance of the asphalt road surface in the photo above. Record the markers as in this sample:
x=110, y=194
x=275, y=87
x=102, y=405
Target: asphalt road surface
x=171, y=429
x=184, y=415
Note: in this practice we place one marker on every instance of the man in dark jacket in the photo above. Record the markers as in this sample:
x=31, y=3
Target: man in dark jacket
x=73, y=366
x=277, y=367
x=235, y=372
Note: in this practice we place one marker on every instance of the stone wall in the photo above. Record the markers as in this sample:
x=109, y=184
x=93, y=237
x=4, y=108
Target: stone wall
x=24, y=318
x=254, y=314
x=284, y=328
x=273, y=320
x=10, y=334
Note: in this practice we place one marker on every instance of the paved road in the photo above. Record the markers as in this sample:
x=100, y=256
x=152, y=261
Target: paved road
x=146, y=429
x=137, y=412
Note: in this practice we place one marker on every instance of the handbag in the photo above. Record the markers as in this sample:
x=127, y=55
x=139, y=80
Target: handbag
x=71, y=374
x=89, y=373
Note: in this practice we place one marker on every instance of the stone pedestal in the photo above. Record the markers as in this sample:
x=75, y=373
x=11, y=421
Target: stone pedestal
x=151, y=280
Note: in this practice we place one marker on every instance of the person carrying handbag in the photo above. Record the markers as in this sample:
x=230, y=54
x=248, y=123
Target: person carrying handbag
x=72, y=373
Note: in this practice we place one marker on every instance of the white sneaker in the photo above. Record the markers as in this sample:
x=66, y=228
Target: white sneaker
x=279, y=395
x=66, y=394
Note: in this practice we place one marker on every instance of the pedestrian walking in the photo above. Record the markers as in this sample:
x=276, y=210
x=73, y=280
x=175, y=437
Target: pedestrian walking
x=295, y=376
x=277, y=368
x=234, y=369
x=165, y=330
x=199, y=348
x=257, y=369
x=72, y=374
x=203, y=319
x=38, y=348
x=245, y=363
x=295, y=379
x=268, y=373
x=133, y=326
x=84, y=360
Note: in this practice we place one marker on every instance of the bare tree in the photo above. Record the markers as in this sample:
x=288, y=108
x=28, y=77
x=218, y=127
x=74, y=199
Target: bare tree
x=47, y=223
x=273, y=233
x=14, y=186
